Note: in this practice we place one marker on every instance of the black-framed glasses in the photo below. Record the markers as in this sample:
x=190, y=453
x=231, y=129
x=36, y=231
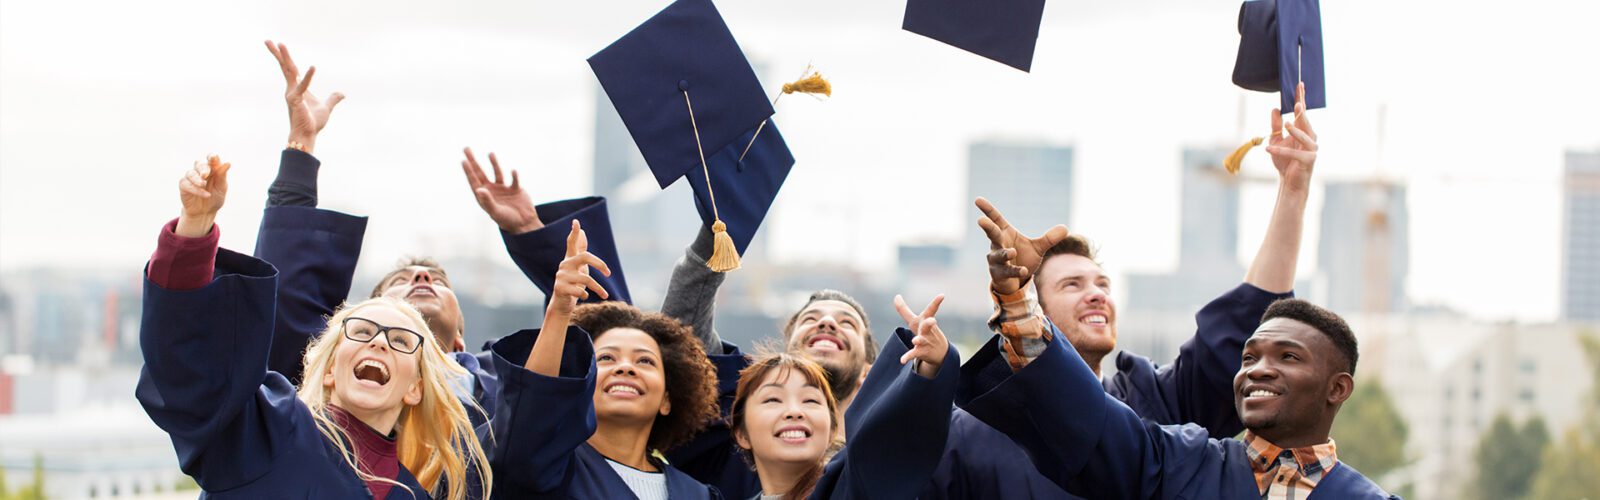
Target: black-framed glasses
x=364, y=330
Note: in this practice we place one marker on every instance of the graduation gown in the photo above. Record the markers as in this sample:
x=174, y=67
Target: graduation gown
x=1091, y=444
x=538, y=438
x=238, y=428
x=895, y=431
x=980, y=462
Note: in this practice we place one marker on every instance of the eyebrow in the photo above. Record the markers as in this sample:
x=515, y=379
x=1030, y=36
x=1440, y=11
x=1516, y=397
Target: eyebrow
x=636, y=350
x=1276, y=342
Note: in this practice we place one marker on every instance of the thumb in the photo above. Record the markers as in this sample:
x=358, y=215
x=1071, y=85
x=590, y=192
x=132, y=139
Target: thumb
x=335, y=99
x=482, y=194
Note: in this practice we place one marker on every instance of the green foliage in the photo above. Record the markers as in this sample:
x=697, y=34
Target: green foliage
x=1370, y=432
x=1569, y=470
x=1508, y=456
x=33, y=491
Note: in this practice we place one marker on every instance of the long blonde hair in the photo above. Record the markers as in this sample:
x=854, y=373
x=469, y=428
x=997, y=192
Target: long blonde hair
x=435, y=437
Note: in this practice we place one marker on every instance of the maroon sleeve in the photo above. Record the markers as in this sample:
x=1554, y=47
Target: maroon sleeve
x=183, y=263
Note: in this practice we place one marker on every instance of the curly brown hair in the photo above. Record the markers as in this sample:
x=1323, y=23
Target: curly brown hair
x=690, y=377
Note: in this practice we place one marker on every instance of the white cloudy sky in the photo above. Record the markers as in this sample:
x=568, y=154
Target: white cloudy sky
x=104, y=103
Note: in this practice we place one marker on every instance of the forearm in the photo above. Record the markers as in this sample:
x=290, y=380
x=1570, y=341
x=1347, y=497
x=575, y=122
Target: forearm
x=692, y=293
x=1274, y=265
x=545, y=358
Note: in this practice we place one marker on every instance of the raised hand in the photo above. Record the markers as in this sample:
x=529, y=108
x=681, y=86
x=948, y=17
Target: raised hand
x=202, y=190
x=1296, y=155
x=930, y=345
x=573, y=282
x=507, y=204
x=1026, y=253
x=307, y=113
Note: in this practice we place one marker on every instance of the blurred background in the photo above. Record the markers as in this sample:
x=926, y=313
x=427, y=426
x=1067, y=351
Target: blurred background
x=1455, y=213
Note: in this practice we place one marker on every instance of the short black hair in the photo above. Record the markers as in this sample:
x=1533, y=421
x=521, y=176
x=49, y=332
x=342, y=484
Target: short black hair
x=1322, y=320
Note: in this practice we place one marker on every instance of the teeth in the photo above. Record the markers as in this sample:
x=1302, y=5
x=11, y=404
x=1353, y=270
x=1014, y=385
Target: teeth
x=383, y=371
x=619, y=388
x=794, y=434
x=1095, y=320
x=825, y=344
x=1261, y=393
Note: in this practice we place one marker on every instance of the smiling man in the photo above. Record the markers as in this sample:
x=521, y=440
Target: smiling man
x=1296, y=370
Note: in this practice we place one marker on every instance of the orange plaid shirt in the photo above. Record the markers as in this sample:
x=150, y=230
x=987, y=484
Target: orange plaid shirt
x=1288, y=474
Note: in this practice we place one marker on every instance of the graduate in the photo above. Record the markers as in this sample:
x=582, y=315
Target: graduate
x=373, y=418
x=584, y=408
x=785, y=419
x=1296, y=370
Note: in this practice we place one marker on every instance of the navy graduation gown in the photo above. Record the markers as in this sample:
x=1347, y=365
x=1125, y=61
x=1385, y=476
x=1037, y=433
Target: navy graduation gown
x=712, y=456
x=315, y=252
x=238, y=428
x=538, y=436
x=1093, y=445
x=980, y=462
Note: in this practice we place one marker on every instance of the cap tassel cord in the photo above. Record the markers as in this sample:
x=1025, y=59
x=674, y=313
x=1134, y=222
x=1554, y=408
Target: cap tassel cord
x=724, y=254
x=1237, y=157
x=809, y=83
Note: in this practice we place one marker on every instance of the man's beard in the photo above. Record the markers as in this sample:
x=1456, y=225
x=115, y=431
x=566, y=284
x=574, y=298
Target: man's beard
x=844, y=377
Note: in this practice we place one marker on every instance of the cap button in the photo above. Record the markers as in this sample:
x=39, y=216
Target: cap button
x=739, y=166
x=683, y=85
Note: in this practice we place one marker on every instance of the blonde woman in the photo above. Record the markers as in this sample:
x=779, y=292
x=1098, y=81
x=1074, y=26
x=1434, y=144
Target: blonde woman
x=373, y=418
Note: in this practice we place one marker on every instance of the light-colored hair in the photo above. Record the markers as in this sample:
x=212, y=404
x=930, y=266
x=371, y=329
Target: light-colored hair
x=435, y=437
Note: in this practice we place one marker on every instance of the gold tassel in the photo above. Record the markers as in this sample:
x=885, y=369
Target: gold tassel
x=1237, y=157
x=810, y=84
x=724, y=255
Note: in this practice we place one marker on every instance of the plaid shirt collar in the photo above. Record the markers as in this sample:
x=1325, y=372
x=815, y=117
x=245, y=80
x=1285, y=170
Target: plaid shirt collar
x=1310, y=462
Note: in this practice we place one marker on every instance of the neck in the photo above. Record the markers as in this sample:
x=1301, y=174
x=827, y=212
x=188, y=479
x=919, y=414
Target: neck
x=1093, y=359
x=382, y=421
x=777, y=478
x=1291, y=440
x=623, y=443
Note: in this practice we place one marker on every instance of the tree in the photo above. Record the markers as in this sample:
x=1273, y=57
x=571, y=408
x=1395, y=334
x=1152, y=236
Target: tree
x=1369, y=431
x=1508, y=456
x=1570, y=470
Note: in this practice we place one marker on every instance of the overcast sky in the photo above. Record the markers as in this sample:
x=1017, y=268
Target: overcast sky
x=103, y=104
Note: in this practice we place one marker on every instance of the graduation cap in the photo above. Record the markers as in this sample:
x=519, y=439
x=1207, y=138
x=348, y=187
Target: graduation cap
x=692, y=103
x=1280, y=45
x=1002, y=30
x=539, y=252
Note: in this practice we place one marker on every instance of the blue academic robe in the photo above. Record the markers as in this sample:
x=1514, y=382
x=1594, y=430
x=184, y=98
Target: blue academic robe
x=1091, y=444
x=980, y=462
x=537, y=440
x=895, y=431
x=238, y=428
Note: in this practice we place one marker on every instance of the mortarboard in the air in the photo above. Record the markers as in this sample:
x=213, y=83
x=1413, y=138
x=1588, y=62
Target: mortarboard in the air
x=1280, y=45
x=539, y=252
x=1003, y=30
x=692, y=104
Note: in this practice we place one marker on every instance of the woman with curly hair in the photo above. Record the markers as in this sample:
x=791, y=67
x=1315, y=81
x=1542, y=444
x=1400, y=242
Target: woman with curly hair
x=374, y=417
x=589, y=400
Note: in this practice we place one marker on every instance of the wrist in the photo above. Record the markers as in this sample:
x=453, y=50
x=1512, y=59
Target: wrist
x=523, y=228
x=194, y=226
x=302, y=141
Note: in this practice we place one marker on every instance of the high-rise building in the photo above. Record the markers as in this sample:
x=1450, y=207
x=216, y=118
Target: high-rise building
x=1364, y=250
x=1031, y=183
x=1580, y=230
x=1208, y=262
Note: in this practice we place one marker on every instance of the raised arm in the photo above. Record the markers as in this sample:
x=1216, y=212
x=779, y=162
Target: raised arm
x=204, y=332
x=900, y=420
x=692, y=292
x=314, y=250
x=1295, y=157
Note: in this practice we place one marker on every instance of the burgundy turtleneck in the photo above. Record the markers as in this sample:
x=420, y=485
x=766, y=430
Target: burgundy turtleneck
x=375, y=452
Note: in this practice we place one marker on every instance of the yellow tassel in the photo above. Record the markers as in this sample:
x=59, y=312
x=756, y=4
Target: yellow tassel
x=724, y=255
x=810, y=84
x=1237, y=157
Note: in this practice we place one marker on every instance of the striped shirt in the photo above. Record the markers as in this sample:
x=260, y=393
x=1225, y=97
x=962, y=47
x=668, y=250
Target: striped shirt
x=1288, y=474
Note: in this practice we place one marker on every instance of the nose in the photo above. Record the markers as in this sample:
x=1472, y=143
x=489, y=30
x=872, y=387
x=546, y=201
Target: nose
x=829, y=323
x=793, y=413
x=379, y=341
x=623, y=367
x=1097, y=295
x=422, y=279
x=1261, y=370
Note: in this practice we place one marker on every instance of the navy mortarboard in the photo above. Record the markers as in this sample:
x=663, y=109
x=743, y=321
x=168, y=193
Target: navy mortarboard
x=692, y=103
x=539, y=252
x=1002, y=30
x=1280, y=45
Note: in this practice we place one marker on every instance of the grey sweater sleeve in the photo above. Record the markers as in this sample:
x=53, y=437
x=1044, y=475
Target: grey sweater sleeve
x=692, y=293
